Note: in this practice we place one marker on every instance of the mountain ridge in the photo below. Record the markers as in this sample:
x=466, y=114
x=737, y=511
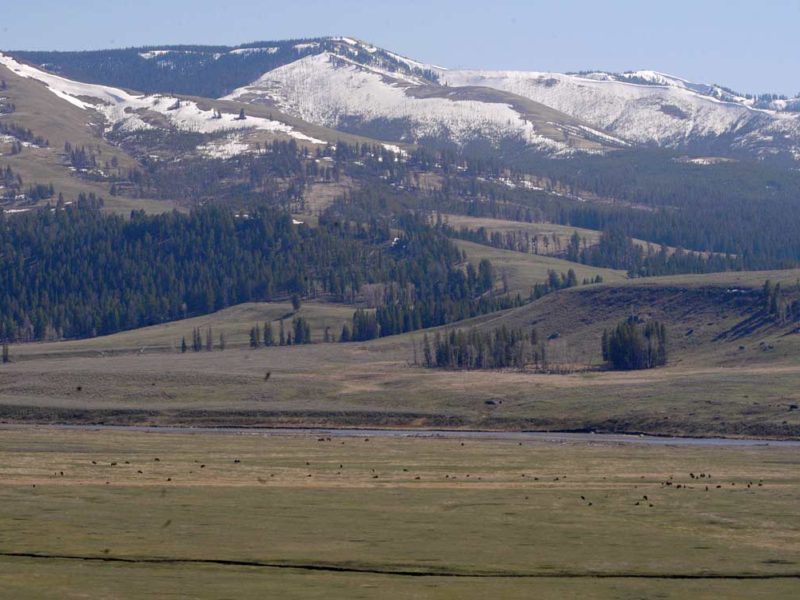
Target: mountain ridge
x=642, y=107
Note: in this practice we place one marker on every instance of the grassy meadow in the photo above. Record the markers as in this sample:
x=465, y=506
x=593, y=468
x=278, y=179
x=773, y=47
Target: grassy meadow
x=301, y=517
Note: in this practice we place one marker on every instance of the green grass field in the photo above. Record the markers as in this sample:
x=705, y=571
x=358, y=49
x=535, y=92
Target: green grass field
x=492, y=517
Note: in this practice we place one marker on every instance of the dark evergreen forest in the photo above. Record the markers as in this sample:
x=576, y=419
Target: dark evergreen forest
x=76, y=271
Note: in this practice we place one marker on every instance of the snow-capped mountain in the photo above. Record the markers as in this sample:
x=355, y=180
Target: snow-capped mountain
x=351, y=85
x=342, y=92
x=652, y=108
x=339, y=83
x=342, y=86
x=765, y=101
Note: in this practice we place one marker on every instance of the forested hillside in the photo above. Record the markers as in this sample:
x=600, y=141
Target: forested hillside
x=745, y=210
x=78, y=272
x=210, y=71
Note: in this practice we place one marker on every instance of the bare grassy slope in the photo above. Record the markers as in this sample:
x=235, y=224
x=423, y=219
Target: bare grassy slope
x=714, y=324
x=524, y=270
x=58, y=121
x=233, y=323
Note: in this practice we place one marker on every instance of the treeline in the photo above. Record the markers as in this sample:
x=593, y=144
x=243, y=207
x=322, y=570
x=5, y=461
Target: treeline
x=78, y=272
x=739, y=217
x=632, y=345
x=199, y=344
x=439, y=288
x=6, y=107
x=474, y=349
x=299, y=333
x=559, y=281
x=79, y=157
x=616, y=250
x=40, y=191
x=12, y=187
x=516, y=241
x=461, y=295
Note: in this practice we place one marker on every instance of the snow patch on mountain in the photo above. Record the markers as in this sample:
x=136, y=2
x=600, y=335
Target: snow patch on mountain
x=151, y=54
x=648, y=107
x=228, y=147
x=158, y=54
x=330, y=90
x=128, y=112
x=248, y=51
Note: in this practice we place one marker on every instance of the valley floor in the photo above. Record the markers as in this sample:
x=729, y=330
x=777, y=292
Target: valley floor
x=373, y=385
x=124, y=514
x=732, y=370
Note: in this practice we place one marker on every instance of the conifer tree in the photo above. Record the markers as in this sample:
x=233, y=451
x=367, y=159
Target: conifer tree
x=426, y=351
x=302, y=331
x=253, y=338
x=197, y=340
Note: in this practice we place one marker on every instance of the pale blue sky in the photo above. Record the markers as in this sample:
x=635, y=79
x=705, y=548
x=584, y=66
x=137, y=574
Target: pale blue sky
x=749, y=46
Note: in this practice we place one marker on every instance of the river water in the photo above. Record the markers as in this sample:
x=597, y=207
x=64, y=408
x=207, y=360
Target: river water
x=521, y=436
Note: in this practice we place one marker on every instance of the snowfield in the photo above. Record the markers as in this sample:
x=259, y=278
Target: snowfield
x=331, y=91
x=666, y=111
x=127, y=112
